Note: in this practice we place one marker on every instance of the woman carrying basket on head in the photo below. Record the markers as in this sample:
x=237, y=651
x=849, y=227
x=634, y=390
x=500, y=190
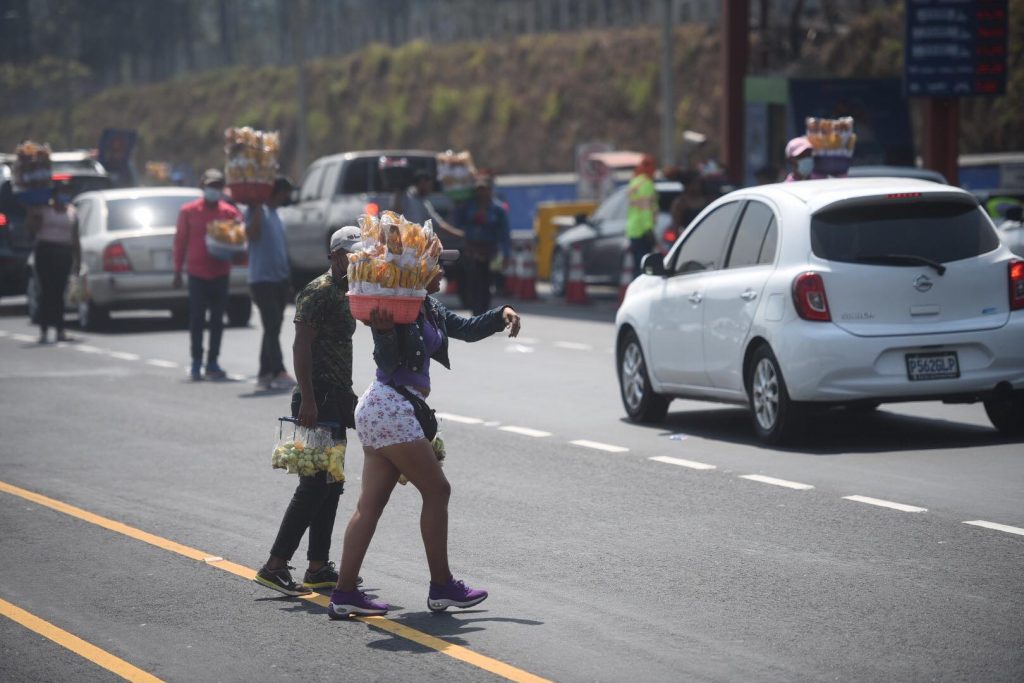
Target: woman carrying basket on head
x=395, y=444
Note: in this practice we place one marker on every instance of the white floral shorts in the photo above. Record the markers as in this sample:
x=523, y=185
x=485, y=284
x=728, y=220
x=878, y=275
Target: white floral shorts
x=385, y=418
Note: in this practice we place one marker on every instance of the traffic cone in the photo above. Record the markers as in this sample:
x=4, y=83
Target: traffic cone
x=626, y=275
x=528, y=276
x=576, y=287
x=510, y=278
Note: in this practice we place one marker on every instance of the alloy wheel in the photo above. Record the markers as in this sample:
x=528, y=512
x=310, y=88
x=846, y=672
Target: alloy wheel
x=633, y=378
x=766, y=394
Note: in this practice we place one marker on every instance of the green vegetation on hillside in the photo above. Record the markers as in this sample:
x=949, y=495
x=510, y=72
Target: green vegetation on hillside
x=520, y=105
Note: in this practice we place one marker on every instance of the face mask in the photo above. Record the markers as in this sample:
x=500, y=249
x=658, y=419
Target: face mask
x=805, y=166
x=211, y=194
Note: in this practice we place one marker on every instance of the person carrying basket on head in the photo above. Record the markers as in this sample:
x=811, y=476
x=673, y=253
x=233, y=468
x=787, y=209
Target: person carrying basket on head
x=322, y=357
x=393, y=422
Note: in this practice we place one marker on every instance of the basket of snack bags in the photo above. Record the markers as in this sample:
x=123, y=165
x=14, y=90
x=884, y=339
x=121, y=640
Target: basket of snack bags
x=33, y=183
x=251, y=163
x=391, y=267
x=305, y=451
x=225, y=239
x=457, y=174
x=834, y=143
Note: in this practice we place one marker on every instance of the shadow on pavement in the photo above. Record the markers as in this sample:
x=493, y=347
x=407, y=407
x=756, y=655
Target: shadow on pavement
x=838, y=431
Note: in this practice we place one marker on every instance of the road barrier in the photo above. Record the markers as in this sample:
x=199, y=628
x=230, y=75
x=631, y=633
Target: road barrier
x=526, y=267
x=576, y=287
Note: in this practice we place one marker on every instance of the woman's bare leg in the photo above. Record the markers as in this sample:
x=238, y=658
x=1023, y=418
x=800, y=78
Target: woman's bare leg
x=417, y=461
x=379, y=479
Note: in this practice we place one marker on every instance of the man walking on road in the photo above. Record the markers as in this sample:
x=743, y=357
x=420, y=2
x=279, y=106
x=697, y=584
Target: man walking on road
x=643, y=203
x=268, y=281
x=322, y=355
x=207, y=276
x=485, y=224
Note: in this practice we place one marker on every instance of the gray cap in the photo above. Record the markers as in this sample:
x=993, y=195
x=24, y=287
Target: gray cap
x=212, y=176
x=345, y=238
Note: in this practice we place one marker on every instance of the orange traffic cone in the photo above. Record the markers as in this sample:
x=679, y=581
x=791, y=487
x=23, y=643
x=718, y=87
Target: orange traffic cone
x=576, y=287
x=626, y=275
x=528, y=276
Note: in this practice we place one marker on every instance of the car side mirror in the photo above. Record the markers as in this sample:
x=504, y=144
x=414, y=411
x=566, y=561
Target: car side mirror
x=653, y=264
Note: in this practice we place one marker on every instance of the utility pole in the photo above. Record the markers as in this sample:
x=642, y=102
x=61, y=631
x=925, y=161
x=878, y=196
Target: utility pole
x=299, y=48
x=735, y=25
x=667, y=96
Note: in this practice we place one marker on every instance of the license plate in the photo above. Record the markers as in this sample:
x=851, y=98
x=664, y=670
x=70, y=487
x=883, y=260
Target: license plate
x=161, y=259
x=935, y=365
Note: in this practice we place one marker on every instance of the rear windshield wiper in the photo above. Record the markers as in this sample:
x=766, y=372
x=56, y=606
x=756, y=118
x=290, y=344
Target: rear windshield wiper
x=903, y=259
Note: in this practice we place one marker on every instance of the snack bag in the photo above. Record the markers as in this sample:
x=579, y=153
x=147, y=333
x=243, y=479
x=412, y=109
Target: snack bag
x=225, y=239
x=304, y=451
x=251, y=164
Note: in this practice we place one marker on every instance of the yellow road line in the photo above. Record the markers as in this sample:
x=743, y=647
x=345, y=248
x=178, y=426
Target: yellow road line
x=458, y=652
x=75, y=644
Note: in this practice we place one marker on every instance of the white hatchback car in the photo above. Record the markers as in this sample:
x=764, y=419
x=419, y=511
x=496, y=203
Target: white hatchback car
x=843, y=292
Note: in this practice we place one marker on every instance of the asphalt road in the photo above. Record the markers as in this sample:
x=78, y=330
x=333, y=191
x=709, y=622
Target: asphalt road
x=603, y=563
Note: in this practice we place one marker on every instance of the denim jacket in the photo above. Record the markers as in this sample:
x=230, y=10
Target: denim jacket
x=404, y=346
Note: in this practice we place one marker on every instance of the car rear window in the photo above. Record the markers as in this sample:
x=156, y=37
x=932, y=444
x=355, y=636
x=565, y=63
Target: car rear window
x=940, y=231
x=141, y=213
x=361, y=175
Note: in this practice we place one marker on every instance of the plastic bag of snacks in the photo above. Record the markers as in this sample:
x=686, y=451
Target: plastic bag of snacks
x=438, y=446
x=392, y=266
x=33, y=183
x=834, y=143
x=251, y=163
x=457, y=174
x=225, y=239
x=305, y=451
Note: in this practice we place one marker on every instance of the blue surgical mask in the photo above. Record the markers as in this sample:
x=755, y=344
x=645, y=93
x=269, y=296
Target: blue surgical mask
x=805, y=166
x=211, y=194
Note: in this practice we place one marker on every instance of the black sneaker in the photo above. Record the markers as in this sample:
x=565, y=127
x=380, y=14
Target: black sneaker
x=280, y=580
x=325, y=577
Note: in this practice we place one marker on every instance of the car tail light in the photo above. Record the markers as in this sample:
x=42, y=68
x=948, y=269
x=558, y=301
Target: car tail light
x=1016, y=285
x=60, y=177
x=3, y=220
x=670, y=235
x=115, y=259
x=809, y=297
x=371, y=209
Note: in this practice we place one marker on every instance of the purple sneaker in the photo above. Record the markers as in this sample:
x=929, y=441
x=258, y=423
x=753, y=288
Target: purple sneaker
x=453, y=594
x=347, y=603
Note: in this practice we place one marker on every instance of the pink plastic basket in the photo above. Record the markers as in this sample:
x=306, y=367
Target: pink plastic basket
x=405, y=309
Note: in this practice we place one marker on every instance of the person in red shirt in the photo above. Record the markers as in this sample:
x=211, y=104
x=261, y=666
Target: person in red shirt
x=207, y=276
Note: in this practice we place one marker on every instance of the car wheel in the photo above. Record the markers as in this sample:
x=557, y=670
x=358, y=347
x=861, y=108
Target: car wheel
x=638, y=397
x=777, y=418
x=559, y=272
x=32, y=298
x=92, y=317
x=239, y=311
x=1007, y=413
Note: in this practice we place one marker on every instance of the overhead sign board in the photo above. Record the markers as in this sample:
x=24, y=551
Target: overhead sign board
x=955, y=48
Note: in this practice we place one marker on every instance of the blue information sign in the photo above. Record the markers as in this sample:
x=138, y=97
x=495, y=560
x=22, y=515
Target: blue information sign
x=955, y=48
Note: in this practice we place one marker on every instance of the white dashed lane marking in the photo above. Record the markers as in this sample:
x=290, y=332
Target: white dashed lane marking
x=85, y=348
x=596, y=445
x=777, y=482
x=3, y=333
x=157, y=362
x=997, y=527
x=121, y=355
x=460, y=418
x=693, y=465
x=573, y=346
x=885, y=504
x=23, y=337
x=525, y=431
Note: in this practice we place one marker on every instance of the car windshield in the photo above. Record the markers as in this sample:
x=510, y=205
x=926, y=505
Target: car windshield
x=141, y=213
x=899, y=233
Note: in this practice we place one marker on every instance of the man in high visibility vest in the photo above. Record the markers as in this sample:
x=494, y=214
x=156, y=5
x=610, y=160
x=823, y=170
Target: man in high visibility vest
x=643, y=205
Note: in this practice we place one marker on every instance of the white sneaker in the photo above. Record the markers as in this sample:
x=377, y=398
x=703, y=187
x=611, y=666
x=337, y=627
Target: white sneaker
x=283, y=381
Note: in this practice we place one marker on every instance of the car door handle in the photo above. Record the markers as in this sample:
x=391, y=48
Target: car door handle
x=748, y=295
x=696, y=298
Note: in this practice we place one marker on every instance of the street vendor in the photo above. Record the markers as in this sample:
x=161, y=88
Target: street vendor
x=800, y=158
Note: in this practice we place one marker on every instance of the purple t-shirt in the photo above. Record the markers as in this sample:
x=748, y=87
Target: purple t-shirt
x=421, y=378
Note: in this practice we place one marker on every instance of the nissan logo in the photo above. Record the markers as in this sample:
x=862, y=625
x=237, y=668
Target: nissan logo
x=922, y=283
